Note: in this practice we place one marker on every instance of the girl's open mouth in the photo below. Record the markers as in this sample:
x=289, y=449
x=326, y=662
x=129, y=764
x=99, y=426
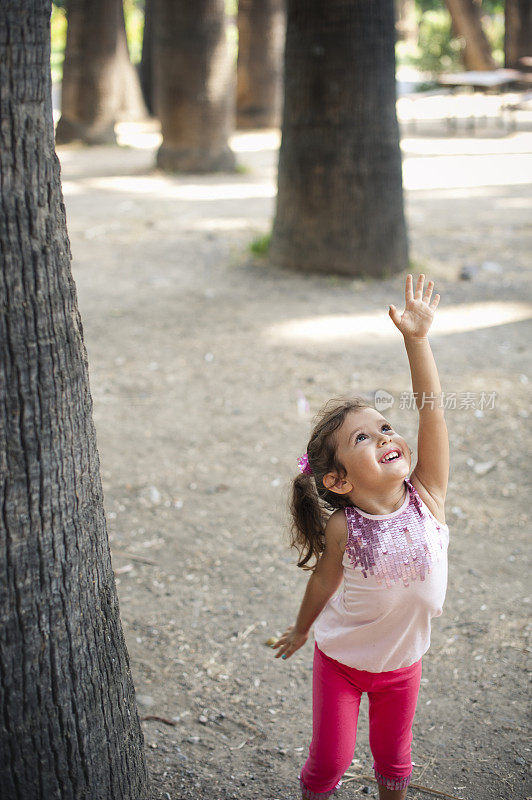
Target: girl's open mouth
x=393, y=455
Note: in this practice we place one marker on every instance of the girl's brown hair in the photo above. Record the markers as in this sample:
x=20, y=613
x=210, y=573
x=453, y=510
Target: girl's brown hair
x=311, y=502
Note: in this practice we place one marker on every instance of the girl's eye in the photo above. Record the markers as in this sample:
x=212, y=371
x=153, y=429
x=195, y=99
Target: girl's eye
x=385, y=425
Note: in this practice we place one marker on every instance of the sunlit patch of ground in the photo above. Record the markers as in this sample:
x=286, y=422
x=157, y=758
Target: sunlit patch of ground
x=368, y=327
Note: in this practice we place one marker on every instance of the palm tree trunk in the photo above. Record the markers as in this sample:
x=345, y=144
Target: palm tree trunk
x=340, y=198
x=146, y=63
x=261, y=36
x=465, y=15
x=194, y=85
x=69, y=727
x=100, y=85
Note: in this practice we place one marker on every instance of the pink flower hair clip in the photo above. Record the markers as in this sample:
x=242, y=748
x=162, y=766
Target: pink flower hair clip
x=303, y=465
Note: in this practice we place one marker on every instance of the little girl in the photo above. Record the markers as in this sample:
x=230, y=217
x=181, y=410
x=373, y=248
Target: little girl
x=386, y=543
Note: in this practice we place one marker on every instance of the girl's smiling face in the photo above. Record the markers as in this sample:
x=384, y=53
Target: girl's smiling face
x=363, y=440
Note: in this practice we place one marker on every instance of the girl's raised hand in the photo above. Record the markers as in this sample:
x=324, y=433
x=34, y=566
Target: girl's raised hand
x=417, y=317
x=289, y=642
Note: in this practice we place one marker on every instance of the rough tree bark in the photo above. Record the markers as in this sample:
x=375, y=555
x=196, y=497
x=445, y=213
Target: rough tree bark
x=340, y=197
x=100, y=85
x=194, y=85
x=517, y=33
x=465, y=16
x=69, y=728
x=261, y=35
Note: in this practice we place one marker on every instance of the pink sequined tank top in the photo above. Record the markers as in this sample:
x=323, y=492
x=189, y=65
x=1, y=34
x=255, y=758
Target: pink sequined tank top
x=395, y=579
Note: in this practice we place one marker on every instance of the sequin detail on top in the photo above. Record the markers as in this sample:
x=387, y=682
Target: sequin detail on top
x=398, y=549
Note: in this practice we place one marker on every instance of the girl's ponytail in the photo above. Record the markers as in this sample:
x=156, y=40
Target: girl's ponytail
x=308, y=521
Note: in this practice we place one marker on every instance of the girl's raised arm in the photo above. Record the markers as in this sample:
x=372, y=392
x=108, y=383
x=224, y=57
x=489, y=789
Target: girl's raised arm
x=432, y=468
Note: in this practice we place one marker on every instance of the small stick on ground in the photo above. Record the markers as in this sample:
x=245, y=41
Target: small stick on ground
x=159, y=719
x=427, y=765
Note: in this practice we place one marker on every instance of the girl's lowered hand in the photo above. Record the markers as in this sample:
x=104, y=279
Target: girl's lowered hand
x=417, y=317
x=289, y=642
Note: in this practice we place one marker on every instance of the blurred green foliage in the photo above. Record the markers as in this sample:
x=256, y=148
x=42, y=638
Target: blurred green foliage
x=436, y=49
x=488, y=6
x=58, y=25
x=134, y=16
x=494, y=28
x=261, y=245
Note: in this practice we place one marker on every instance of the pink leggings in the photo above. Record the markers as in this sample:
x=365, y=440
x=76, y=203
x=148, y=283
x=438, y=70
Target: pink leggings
x=336, y=693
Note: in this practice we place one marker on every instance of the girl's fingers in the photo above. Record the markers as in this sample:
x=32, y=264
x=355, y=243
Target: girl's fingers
x=435, y=302
x=419, y=287
x=283, y=646
x=290, y=650
x=282, y=639
x=428, y=292
x=394, y=314
x=409, y=293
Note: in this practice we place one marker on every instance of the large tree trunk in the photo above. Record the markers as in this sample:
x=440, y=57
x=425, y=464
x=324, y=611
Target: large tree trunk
x=100, y=85
x=146, y=62
x=69, y=728
x=465, y=16
x=340, y=197
x=517, y=33
x=194, y=85
x=261, y=35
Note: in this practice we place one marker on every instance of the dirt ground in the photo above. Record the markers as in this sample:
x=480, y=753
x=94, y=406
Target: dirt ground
x=201, y=360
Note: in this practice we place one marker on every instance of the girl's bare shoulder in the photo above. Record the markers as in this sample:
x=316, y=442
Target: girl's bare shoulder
x=336, y=529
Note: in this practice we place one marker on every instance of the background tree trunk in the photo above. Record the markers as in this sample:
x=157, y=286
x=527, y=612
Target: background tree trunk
x=100, y=84
x=69, y=727
x=517, y=33
x=465, y=15
x=340, y=198
x=194, y=85
x=146, y=62
x=261, y=36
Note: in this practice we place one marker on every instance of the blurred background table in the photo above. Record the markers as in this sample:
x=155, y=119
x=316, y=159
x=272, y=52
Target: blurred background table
x=492, y=81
